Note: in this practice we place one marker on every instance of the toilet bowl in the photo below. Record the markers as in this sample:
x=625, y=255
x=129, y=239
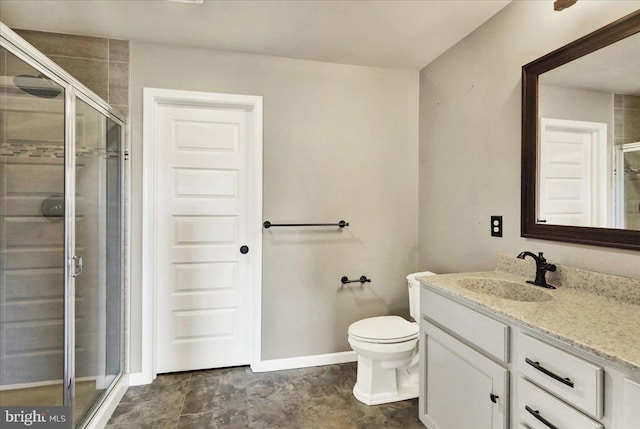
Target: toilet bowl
x=387, y=349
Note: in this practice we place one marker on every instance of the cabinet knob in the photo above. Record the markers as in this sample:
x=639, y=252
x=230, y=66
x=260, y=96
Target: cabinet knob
x=494, y=398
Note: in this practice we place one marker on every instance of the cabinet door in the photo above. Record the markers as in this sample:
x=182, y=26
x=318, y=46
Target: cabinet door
x=461, y=385
x=631, y=405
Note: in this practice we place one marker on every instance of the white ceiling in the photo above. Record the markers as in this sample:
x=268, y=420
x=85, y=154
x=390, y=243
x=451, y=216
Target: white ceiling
x=393, y=33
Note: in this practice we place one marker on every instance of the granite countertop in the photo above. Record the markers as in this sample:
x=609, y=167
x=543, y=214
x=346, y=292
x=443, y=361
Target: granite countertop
x=584, y=314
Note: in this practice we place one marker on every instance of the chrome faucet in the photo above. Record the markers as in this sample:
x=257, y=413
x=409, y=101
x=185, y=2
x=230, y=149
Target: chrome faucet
x=542, y=266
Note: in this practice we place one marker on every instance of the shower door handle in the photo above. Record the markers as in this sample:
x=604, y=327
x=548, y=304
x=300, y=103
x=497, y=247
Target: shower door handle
x=77, y=260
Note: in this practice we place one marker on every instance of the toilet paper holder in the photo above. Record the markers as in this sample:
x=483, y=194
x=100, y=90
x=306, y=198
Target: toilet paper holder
x=362, y=280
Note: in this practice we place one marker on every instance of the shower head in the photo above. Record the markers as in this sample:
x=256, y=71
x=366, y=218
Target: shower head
x=40, y=86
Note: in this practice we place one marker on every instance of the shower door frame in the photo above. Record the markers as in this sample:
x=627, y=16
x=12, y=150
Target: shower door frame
x=99, y=412
x=619, y=199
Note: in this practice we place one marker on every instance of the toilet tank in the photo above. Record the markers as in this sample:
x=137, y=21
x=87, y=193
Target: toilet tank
x=414, y=293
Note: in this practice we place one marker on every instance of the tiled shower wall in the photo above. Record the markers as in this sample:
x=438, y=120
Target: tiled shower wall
x=627, y=130
x=101, y=64
x=31, y=245
x=626, y=118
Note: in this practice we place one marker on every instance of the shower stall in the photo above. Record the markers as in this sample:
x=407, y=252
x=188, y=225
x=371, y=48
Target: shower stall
x=628, y=185
x=62, y=295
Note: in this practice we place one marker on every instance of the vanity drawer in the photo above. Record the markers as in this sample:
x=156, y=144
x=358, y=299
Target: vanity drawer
x=570, y=378
x=480, y=330
x=535, y=407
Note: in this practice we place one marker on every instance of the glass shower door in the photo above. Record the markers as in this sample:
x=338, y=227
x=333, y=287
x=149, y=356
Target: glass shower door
x=629, y=185
x=97, y=239
x=32, y=236
x=61, y=283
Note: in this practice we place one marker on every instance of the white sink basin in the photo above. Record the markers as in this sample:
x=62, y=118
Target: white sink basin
x=505, y=289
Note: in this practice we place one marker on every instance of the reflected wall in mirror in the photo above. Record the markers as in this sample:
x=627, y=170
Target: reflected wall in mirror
x=581, y=140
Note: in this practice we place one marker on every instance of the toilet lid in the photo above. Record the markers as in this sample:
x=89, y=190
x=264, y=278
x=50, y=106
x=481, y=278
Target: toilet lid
x=384, y=329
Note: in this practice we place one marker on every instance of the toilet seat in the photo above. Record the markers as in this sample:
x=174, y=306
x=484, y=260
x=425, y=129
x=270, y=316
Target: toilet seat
x=384, y=330
x=388, y=353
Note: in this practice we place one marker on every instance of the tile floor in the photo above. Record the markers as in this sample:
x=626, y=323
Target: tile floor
x=309, y=398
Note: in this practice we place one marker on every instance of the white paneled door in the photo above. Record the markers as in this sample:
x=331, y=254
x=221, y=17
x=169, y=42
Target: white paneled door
x=203, y=274
x=573, y=173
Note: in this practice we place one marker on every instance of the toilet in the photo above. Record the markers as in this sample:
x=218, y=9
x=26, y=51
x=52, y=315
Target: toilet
x=387, y=349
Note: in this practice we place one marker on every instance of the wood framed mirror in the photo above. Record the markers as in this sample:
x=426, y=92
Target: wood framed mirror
x=581, y=140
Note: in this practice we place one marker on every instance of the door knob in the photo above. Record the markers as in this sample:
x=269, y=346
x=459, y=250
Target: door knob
x=244, y=250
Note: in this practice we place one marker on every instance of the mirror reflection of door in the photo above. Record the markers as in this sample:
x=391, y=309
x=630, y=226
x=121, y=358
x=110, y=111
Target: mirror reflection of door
x=573, y=173
x=628, y=186
x=578, y=186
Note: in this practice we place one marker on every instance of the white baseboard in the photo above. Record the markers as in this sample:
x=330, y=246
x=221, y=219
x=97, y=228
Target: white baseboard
x=304, y=361
x=140, y=378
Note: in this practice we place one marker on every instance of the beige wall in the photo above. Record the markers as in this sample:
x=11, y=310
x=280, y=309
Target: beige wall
x=576, y=105
x=340, y=142
x=470, y=140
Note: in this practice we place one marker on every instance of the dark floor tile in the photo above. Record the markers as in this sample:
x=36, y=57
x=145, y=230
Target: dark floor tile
x=313, y=398
x=238, y=374
x=155, y=424
x=278, y=410
x=162, y=402
x=172, y=378
x=227, y=420
x=329, y=380
x=403, y=414
x=217, y=395
x=336, y=411
x=282, y=384
x=350, y=367
x=165, y=384
x=143, y=412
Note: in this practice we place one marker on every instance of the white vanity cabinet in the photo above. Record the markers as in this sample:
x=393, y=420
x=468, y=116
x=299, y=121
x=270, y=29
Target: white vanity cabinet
x=481, y=370
x=630, y=404
x=462, y=387
x=465, y=389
